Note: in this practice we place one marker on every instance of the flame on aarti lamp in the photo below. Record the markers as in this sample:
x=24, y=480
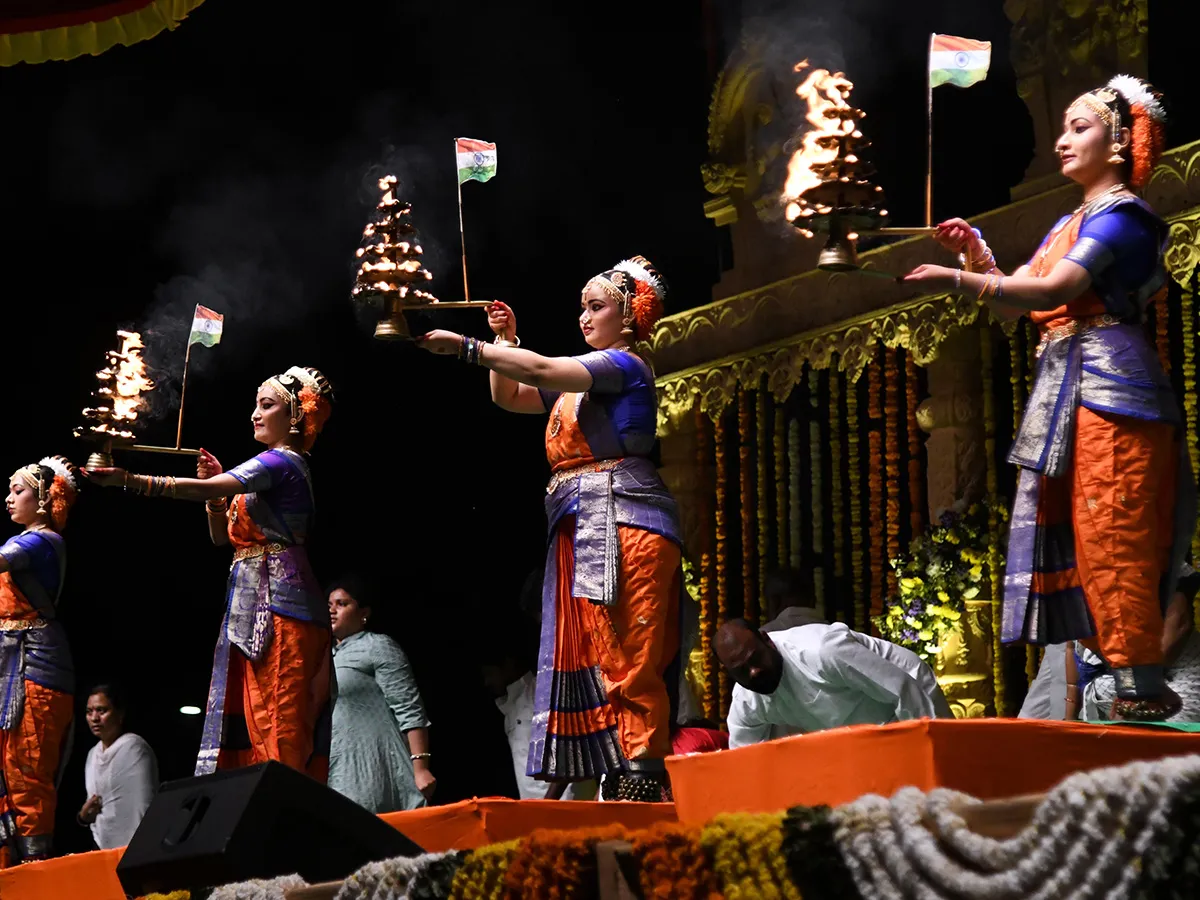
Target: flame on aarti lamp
x=122, y=383
x=825, y=93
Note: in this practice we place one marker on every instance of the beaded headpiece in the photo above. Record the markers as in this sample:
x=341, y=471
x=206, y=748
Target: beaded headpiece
x=309, y=397
x=53, y=477
x=638, y=289
x=1146, y=127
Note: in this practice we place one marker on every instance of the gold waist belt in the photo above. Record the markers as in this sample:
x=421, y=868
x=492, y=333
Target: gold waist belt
x=254, y=551
x=22, y=624
x=561, y=477
x=1075, y=326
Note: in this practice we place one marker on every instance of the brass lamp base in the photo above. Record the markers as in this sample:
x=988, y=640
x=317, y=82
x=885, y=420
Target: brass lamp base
x=101, y=459
x=392, y=326
x=837, y=255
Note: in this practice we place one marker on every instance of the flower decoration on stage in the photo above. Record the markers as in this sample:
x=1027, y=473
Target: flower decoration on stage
x=836, y=509
x=672, y=864
x=724, y=689
x=481, y=875
x=750, y=595
x=854, y=470
x=944, y=567
x=891, y=457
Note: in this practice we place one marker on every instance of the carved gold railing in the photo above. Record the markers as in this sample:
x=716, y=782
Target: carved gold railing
x=919, y=324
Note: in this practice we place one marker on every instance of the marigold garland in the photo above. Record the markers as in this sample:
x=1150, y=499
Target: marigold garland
x=762, y=512
x=673, y=865
x=795, y=495
x=891, y=426
x=1162, y=340
x=1186, y=310
x=835, y=485
x=818, y=495
x=481, y=876
x=916, y=476
x=875, y=495
x=856, y=536
x=722, y=561
x=781, y=487
x=707, y=624
x=550, y=864
x=813, y=856
x=989, y=451
x=747, y=856
x=746, y=501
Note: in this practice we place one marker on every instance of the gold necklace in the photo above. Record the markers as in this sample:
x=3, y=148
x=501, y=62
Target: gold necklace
x=1052, y=238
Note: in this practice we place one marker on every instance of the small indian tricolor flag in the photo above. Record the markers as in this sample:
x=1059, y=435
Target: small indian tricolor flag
x=476, y=159
x=958, y=61
x=206, y=327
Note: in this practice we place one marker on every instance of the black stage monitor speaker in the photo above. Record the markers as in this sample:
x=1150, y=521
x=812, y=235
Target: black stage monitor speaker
x=259, y=822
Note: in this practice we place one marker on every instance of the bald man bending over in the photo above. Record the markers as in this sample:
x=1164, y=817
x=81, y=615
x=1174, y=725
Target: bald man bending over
x=820, y=676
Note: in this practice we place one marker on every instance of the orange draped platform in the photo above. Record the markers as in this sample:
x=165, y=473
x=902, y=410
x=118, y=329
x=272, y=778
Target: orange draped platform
x=986, y=758
x=457, y=826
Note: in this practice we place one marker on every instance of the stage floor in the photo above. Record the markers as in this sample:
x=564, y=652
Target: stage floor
x=987, y=758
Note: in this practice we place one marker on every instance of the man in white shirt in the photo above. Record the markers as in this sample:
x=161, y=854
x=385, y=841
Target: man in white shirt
x=820, y=676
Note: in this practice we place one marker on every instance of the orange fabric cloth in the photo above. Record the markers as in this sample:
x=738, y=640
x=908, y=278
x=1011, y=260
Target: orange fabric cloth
x=636, y=640
x=1123, y=534
x=1085, y=305
x=479, y=822
x=986, y=758
x=30, y=755
x=566, y=445
x=13, y=604
x=632, y=643
x=281, y=697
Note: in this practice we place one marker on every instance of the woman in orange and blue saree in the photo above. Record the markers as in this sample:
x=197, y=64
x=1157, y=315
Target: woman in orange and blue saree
x=1105, y=502
x=272, y=680
x=37, y=678
x=611, y=595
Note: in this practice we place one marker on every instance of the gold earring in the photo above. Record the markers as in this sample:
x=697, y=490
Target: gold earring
x=294, y=429
x=1116, y=158
x=628, y=329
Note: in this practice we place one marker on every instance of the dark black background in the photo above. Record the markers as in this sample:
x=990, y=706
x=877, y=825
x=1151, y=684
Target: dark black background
x=232, y=163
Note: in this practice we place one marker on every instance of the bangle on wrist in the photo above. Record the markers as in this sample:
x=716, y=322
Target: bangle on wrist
x=502, y=342
x=417, y=756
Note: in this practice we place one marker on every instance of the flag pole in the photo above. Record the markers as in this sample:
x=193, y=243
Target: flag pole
x=462, y=235
x=187, y=356
x=929, y=134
